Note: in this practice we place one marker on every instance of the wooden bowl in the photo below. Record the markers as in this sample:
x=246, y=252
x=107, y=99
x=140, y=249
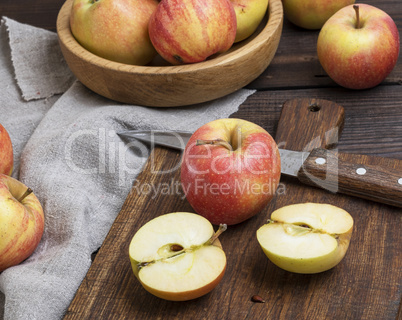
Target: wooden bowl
x=169, y=86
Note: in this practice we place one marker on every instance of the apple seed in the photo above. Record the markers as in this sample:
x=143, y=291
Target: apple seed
x=176, y=247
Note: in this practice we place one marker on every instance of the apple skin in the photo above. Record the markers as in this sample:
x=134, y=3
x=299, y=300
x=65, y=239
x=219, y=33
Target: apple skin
x=6, y=152
x=190, y=31
x=230, y=186
x=21, y=223
x=312, y=14
x=249, y=14
x=116, y=30
x=358, y=58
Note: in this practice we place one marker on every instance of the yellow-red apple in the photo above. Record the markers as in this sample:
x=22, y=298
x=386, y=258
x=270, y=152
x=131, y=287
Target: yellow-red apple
x=116, y=30
x=249, y=14
x=312, y=14
x=6, y=152
x=189, y=31
x=306, y=237
x=358, y=46
x=230, y=170
x=21, y=222
x=177, y=256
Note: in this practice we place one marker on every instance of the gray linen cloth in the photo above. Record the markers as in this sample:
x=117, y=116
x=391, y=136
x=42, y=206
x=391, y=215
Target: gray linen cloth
x=66, y=149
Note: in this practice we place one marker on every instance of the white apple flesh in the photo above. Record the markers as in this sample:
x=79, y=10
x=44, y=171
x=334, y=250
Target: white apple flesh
x=177, y=256
x=306, y=238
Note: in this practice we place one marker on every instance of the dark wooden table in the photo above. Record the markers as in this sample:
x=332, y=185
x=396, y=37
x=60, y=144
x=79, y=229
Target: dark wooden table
x=366, y=285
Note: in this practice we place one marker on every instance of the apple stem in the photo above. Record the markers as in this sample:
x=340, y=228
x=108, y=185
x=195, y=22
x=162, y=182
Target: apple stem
x=219, y=142
x=222, y=228
x=356, y=7
x=26, y=193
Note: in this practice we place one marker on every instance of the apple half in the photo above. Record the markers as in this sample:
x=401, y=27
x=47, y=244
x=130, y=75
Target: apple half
x=306, y=237
x=177, y=256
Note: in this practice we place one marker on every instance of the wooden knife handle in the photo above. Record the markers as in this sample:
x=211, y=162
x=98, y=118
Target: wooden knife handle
x=373, y=178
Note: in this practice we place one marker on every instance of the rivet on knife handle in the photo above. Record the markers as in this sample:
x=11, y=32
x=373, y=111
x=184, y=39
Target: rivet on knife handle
x=373, y=178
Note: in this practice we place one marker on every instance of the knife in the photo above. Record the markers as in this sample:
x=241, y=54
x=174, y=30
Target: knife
x=352, y=174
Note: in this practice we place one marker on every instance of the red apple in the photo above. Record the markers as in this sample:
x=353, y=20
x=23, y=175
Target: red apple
x=230, y=170
x=312, y=14
x=358, y=46
x=6, y=152
x=189, y=31
x=21, y=222
x=116, y=30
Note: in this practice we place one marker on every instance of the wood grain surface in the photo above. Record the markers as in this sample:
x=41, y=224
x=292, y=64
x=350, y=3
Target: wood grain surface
x=365, y=285
x=110, y=290
x=320, y=120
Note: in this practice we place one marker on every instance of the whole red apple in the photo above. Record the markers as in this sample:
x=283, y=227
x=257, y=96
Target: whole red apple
x=6, y=152
x=358, y=46
x=312, y=14
x=21, y=222
x=230, y=170
x=189, y=31
x=116, y=30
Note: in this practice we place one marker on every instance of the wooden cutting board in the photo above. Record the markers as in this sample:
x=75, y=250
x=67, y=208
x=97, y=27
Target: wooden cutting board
x=365, y=285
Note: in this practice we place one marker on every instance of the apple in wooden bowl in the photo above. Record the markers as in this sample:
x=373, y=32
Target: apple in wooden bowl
x=159, y=84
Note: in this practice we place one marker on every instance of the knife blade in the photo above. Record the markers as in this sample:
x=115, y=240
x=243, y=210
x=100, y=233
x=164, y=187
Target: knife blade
x=171, y=139
x=352, y=174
